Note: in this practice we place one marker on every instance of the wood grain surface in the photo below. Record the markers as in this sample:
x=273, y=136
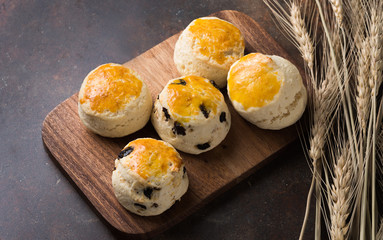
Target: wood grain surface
x=88, y=159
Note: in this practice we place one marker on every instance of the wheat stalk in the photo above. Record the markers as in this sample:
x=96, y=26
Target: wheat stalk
x=363, y=103
x=323, y=99
x=319, y=128
x=375, y=82
x=379, y=235
x=345, y=82
x=380, y=143
x=333, y=34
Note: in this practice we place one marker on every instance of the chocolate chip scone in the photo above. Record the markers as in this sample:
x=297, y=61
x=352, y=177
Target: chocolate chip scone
x=190, y=113
x=149, y=176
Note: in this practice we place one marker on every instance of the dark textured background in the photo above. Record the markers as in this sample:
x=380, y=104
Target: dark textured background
x=46, y=49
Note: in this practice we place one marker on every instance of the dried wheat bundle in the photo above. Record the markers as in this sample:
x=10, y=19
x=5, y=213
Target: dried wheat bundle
x=341, y=44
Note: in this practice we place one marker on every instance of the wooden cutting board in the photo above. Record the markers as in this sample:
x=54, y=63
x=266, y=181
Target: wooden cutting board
x=88, y=159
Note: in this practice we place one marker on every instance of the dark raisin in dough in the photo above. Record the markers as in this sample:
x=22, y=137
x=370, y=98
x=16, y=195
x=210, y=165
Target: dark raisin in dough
x=167, y=116
x=125, y=152
x=155, y=205
x=204, y=110
x=148, y=192
x=222, y=117
x=178, y=129
x=158, y=96
x=180, y=82
x=214, y=84
x=114, y=168
x=140, y=205
x=203, y=146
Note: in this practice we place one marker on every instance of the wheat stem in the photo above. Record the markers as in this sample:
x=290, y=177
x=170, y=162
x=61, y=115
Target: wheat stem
x=374, y=84
x=364, y=200
x=379, y=235
x=307, y=210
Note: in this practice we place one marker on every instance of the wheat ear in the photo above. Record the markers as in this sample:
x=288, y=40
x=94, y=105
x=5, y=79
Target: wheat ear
x=338, y=11
x=301, y=36
x=363, y=99
x=357, y=18
x=341, y=196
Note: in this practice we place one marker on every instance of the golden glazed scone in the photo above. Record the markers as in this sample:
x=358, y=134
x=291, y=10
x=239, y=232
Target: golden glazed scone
x=207, y=48
x=267, y=91
x=149, y=177
x=190, y=113
x=113, y=101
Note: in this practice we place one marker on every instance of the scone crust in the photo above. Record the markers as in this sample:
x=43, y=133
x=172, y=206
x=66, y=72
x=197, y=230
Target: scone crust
x=117, y=104
x=285, y=108
x=149, y=177
x=197, y=128
x=207, y=48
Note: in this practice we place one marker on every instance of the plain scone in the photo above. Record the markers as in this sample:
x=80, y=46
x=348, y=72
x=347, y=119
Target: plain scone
x=190, y=113
x=268, y=91
x=149, y=177
x=207, y=48
x=114, y=101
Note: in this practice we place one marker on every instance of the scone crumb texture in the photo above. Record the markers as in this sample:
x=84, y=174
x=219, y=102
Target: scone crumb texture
x=110, y=87
x=190, y=96
x=252, y=81
x=151, y=158
x=216, y=37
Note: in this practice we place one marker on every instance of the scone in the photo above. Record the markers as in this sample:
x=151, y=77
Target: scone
x=149, y=177
x=113, y=101
x=190, y=113
x=267, y=91
x=207, y=48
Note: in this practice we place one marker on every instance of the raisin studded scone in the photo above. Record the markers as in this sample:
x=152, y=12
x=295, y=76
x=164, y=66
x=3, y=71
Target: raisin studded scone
x=267, y=91
x=190, y=113
x=149, y=176
x=207, y=48
x=113, y=101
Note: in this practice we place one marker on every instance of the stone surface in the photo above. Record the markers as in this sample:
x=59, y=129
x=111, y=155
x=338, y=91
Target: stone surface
x=47, y=48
